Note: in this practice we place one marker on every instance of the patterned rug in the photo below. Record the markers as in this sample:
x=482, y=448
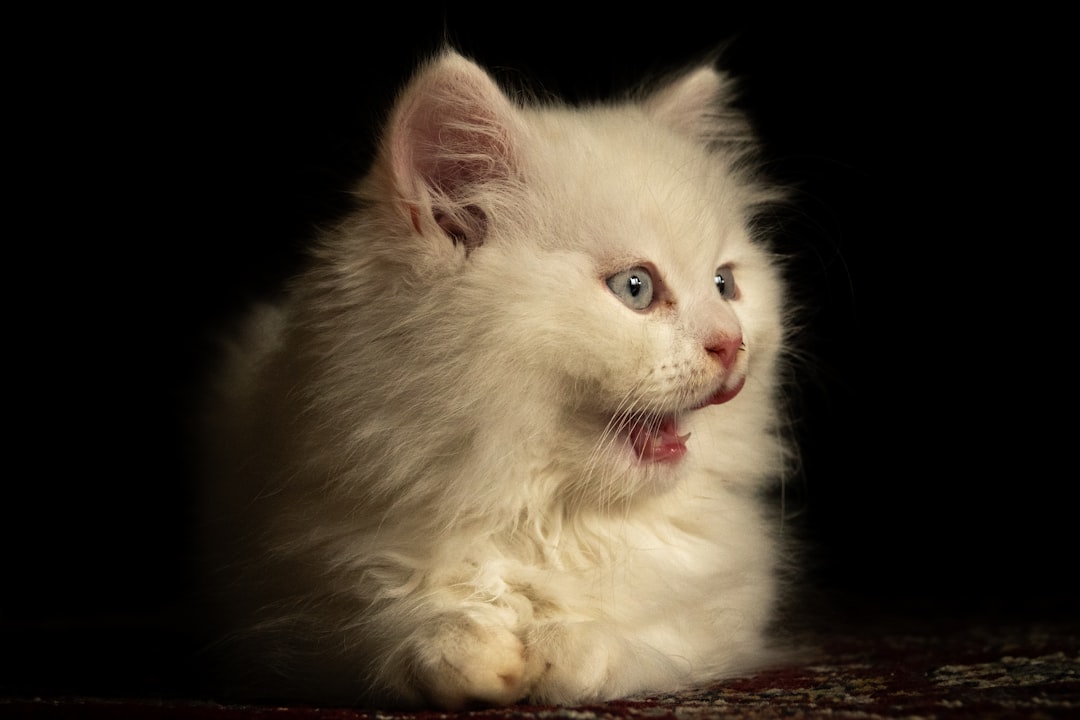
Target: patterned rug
x=969, y=670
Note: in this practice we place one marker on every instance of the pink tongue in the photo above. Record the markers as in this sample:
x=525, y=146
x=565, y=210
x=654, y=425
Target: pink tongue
x=658, y=442
x=723, y=395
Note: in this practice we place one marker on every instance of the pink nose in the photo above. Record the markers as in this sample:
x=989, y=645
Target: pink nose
x=725, y=349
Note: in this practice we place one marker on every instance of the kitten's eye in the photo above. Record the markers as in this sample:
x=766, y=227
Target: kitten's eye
x=634, y=287
x=725, y=283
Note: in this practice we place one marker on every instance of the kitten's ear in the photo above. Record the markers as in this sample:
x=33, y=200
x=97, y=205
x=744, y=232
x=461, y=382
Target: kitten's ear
x=697, y=104
x=450, y=143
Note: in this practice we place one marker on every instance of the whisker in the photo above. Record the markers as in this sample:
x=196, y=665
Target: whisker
x=599, y=475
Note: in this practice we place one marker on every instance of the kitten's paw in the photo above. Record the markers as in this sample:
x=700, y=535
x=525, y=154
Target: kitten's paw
x=469, y=664
x=590, y=662
x=578, y=664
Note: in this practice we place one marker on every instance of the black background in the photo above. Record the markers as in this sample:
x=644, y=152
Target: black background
x=167, y=168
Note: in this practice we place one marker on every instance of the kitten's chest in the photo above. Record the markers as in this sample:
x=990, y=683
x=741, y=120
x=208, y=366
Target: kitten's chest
x=622, y=572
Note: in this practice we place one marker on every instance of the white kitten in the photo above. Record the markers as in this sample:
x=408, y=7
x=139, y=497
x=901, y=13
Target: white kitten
x=506, y=438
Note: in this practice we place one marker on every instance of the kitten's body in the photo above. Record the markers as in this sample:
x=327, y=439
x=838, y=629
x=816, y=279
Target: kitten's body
x=452, y=466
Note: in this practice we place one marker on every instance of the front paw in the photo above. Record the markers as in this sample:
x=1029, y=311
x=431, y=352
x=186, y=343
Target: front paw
x=593, y=662
x=466, y=664
x=578, y=666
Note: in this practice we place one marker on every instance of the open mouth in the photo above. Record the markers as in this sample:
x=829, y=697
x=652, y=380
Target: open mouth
x=656, y=438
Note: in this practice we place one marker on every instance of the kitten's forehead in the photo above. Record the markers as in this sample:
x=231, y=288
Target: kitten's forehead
x=679, y=215
x=626, y=190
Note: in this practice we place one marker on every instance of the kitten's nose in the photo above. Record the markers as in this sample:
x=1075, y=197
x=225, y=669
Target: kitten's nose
x=725, y=349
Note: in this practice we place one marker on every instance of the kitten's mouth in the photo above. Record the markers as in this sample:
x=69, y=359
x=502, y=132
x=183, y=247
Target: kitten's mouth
x=656, y=438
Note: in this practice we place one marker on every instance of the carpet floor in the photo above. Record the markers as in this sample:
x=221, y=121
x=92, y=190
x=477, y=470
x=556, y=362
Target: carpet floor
x=945, y=668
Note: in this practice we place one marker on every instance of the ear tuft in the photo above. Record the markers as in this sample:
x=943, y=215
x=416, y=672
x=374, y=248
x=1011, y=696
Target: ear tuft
x=698, y=104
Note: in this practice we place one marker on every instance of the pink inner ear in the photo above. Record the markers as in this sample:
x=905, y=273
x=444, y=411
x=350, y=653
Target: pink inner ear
x=451, y=139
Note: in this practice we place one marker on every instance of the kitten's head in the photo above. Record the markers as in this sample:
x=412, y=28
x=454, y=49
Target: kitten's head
x=598, y=266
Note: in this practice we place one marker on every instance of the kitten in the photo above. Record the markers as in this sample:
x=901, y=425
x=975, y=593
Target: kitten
x=507, y=436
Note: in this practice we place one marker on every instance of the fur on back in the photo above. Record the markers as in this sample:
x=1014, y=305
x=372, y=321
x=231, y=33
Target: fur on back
x=452, y=465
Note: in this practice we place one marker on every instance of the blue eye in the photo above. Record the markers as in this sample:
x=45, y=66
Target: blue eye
x=634, y=287
x=725, y=283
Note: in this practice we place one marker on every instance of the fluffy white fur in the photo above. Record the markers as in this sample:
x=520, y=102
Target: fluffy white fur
x=425, y=489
